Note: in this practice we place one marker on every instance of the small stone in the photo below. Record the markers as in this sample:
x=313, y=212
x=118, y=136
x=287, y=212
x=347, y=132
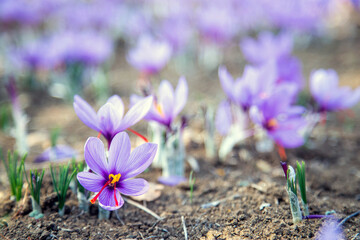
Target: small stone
x=264, y=205
x=45, y=235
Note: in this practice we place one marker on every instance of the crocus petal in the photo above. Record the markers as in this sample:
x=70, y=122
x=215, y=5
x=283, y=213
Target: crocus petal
x=171, y=180
x=95, y=156
x=352, y=99
x=226, y=81
x=118, y=104
x=166, y=99
x=109, y=119
x=56, y=153
x=91, y=181
x=223, y=118
x=323, y=83
x=140, y=159
x=181, y=95
x=120, y=149
x=134, y=187
x=86, y=113
x=136, y=113
x=289, y=134
x=107, y=200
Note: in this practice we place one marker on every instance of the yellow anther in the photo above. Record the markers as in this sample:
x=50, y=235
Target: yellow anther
x=159, y=109
x=114, y=178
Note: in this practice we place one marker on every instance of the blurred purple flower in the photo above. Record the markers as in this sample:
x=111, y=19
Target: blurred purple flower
x=25, y=12
x=255, y=84
x=216, y=21
x=228, y=115
x=150, y=55
x=99, y=15
x=58, y=152
x=301, y=15
x=272, y=47
x=330, y=231
x=177, y=31
x=39, y=54
x=328, y=95
x=167, y=104
x=276, y=49
x=110, y=119
x=88, y=47
x=282, y=122
x=172, y=180
x=112, y=176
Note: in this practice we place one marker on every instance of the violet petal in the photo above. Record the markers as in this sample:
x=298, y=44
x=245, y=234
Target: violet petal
x=134, y=187
x=140, y=159
x=95, y=156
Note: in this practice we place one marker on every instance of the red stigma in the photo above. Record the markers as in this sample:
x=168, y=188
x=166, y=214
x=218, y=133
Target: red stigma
x=138, y=134
x=93, y=200
x=281, y=151
x=99, y=135
x=116, y=201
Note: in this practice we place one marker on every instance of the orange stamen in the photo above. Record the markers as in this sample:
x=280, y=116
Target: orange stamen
x=138, y=134
x=281, y=152
x=272, y=123
x=99, y=135
x=93, y=200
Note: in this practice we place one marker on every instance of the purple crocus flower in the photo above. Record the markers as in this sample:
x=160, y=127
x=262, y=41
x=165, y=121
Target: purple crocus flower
x=271, y=47
x=275, y=49
x=150, y=55
x=110, y=119
x=279, y=119
x=255, y=83
x=112, y=176
x=302, y=15
x=55, y=153
x=216, y=21
x=328, y=95
x=167, y=104
x=330, y=231
x=86, y=47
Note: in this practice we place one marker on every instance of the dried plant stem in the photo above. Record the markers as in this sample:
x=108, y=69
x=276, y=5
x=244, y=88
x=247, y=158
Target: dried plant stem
x=145, y=209
x=184, y=227
x=348, y=217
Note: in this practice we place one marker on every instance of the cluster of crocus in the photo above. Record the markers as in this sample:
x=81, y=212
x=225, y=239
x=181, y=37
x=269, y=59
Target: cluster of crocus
x=263, y=94
x=266, y=93
x=167, y=104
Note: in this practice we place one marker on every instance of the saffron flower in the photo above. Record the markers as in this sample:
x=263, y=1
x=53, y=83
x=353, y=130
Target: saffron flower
x=282, y=122
x=328, y=95
x=113, y=176
x=150, y=55
x=255, y=84
x=110, y=119
x=270, y=46
x=167, y=104
x=276, y=49
x=330, y=231
x=56, y=153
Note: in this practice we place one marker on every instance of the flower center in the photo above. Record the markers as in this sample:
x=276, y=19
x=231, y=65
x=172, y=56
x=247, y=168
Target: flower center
x=113, y=179
x=272, y=123
x=159, y=109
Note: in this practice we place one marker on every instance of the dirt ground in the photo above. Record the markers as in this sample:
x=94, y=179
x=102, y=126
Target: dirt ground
x=249, y=186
